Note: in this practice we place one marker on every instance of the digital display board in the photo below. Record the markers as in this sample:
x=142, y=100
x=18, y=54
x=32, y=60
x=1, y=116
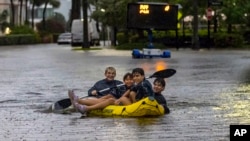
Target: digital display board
x=158, y=16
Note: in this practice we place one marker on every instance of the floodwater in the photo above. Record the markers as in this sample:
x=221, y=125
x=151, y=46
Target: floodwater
x=209, y=92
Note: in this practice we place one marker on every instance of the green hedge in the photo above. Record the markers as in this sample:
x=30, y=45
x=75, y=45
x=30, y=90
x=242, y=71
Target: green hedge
x=228, y=40
x=19, y=39
x=139, y=45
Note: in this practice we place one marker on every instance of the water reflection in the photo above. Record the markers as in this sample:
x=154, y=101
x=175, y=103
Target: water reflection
x=237, y=105
x=154, y=65
x=124, y=129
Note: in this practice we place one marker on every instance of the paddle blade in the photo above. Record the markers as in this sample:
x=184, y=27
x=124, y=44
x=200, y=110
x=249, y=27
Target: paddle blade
x=62, y=104
x=164, y=73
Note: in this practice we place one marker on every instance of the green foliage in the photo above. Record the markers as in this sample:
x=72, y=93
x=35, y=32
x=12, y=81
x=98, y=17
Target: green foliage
x=3, y=20
x=134, y=38
x=20, y=35
x=19, y=39
x=228, y=40
x=159, y=34
x=22, y=30
x=55, y=3
x=202, y=32
x=138, y=45
x=114, y=14
x=121, y=38
x=4, y=25
x=59, y=18
x=51, y=26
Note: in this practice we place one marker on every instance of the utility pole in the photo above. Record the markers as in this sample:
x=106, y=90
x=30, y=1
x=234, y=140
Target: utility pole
x=85, y=43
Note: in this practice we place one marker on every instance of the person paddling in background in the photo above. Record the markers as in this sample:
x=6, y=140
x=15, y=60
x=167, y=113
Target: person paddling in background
x=84, y=105
x=159, y=86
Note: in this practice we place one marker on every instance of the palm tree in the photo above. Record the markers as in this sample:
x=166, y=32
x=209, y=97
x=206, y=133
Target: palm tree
x=12, y=13
x=35, y=3
x=75, y=10
x=26, y=12
x=3, y=20
x=21, y=11
x=54, y=3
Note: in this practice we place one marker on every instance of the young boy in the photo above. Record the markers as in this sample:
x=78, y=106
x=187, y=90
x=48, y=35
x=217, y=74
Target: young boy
x=105, y=83
x=158, y=87
x=142, y=88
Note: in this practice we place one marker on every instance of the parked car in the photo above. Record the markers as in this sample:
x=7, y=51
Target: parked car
x=64, y=38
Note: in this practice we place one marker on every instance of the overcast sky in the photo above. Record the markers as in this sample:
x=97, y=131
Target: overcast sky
x=64, y=8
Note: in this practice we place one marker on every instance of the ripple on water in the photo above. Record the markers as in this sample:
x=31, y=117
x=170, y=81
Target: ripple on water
x=236, y=104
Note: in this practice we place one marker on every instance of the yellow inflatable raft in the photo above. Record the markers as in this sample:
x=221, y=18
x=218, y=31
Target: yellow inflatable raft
x=144, y=107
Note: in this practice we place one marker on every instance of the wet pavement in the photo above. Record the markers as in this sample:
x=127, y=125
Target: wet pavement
x=210, y=91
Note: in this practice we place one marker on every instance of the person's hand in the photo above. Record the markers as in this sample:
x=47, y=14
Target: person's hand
x=94, y=92
x=117, y=102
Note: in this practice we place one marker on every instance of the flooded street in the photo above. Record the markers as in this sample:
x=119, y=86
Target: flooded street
x=210, y=91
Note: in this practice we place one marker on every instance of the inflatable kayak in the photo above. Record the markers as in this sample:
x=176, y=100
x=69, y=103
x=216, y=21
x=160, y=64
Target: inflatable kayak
x=142, y=108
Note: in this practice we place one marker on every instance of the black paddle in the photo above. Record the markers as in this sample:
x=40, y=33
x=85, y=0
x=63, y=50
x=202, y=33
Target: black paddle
x=65, y=103
x=164, y=73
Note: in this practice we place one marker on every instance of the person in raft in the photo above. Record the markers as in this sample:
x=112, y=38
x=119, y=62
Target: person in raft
x=158, y=87
x=108, y=86
x=84, y=105
x=143, y=89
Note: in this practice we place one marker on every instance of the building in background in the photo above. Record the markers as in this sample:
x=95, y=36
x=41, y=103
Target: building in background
x=38, y=13
x=5, y=5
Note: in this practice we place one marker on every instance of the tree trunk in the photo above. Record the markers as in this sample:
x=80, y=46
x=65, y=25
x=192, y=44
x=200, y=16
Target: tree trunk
x=85, y=24
x=229, y=28
x=140, y=34
x=26, y=13
x=12, y=13
x=44, y=15
x=32, y=15
x=75, y=10
x=195, y=26
x=113, y=39
x=21, y=11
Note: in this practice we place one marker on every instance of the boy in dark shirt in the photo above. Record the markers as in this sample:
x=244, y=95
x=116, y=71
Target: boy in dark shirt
x=101, y=88
x=142, y=88
x=158, y=87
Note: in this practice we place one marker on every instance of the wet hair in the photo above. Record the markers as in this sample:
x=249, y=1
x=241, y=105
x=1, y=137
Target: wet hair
x=110, y=68
x=138, y=70
x=127, y=75
x=161, y=81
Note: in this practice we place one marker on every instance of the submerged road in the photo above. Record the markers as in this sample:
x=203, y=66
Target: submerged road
x=210, y=91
